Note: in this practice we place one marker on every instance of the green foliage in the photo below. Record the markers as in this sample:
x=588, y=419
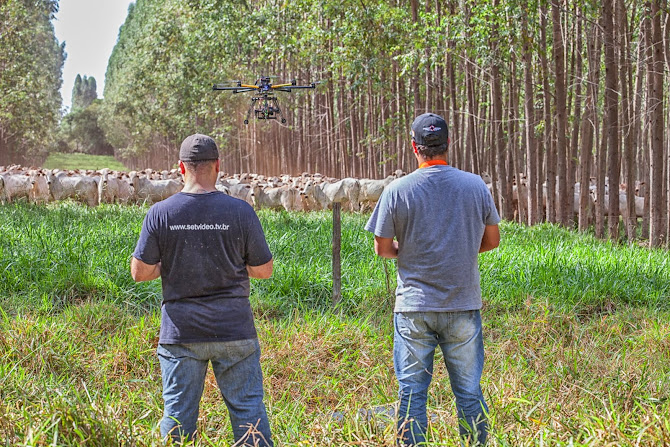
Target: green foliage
x=84, y=92
x=81, y=132
x=31, y=62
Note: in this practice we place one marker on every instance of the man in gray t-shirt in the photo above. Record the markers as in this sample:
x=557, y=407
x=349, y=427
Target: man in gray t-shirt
x=435, y=221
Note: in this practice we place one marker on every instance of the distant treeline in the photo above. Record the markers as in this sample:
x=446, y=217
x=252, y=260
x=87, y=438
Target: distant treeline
x=541, y=93
x=31, y=65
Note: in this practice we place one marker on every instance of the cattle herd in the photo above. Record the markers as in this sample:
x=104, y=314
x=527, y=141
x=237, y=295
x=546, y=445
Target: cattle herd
x=306, y=192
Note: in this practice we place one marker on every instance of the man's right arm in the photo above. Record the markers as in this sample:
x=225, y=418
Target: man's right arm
x=263, y=271
x=386, y=247
x=141, y=271
x=490, y=239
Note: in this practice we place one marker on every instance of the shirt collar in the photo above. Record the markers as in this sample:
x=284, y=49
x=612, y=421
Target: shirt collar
x=425, y=164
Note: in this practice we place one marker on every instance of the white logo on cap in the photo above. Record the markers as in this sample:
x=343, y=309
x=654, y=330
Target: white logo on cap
x=432, y=128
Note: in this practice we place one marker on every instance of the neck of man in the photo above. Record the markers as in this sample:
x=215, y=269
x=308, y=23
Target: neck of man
x=199, y=184
x=199, y=181
x=421, y=159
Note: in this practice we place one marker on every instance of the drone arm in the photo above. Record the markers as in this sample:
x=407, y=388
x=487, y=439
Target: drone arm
x=240, y=89
x=303, y=86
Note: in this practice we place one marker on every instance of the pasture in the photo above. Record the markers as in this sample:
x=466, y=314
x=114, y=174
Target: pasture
x=63, y=161
x=577, y=337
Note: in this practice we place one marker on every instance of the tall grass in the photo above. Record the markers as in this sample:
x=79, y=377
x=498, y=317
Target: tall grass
x=577, y=337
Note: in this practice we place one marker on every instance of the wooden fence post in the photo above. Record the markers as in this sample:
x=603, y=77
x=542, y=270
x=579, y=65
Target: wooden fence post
x=337, y=244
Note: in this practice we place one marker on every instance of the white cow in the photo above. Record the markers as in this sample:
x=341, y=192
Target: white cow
x=77, y=187
x=241, y=191
x=113, y=189
x=280, y=197
x=371, y=190
x=152, y=191
x=39, y=191
x=345, y=191
x=16, y=186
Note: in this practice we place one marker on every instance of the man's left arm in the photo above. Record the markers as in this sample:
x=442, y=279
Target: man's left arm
x=141, y=271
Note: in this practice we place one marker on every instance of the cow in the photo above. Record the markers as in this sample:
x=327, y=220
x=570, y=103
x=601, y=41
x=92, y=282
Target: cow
x=345, y=191
x=77, y=187
x=152, y=191
x=280, y=197
x=114, y=189
x=241, y=191
x=16, y=186
x=371, y=190
x=39, y=191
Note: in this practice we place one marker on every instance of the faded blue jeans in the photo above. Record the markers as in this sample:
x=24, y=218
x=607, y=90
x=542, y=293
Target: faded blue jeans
x=237, y=369
x=459, y=335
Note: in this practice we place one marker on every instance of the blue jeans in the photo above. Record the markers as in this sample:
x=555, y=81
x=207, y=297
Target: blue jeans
x=237, y=369
x=459, y=335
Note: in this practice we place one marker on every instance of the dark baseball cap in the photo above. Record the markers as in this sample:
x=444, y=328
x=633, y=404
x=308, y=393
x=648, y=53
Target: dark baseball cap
x=430, y=129
x=198, y=147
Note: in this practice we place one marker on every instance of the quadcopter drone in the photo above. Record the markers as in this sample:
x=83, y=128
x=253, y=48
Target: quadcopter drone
x=263, y=103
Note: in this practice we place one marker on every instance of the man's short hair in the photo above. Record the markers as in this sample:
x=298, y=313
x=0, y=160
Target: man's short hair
x=432, y=151
x=198, y=166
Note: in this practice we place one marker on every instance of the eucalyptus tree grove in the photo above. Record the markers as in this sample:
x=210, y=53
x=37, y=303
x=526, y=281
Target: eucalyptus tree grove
x=31, y=62
x=543, y=94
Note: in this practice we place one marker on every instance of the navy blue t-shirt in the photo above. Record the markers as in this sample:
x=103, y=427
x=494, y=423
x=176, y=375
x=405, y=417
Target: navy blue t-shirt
x=204, y=243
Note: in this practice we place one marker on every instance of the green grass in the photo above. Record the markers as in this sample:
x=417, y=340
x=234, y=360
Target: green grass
x=58, y=160
x=577, y=336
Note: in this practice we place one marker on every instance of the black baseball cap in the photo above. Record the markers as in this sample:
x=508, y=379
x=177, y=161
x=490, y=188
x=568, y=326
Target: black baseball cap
x=198, y=147
x=430, y=129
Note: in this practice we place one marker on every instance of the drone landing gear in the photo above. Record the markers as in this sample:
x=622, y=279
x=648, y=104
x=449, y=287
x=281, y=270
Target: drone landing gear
x=269, y=110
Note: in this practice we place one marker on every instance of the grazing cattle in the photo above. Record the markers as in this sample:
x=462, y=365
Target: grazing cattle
x=242, y=191
x=224, y=189
x=77, y=187
x=371, y=190
x=314, y=198
x=113, y=189
x=623, y=205
x=16, y=186
x=39, y=192
x=152, y=191
x=277, y=198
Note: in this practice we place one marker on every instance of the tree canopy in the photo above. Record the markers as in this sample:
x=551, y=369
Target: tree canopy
x=31, y=63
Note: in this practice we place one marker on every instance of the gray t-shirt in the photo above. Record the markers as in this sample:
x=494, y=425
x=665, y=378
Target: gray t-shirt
x=204, y=243
x=438, y=215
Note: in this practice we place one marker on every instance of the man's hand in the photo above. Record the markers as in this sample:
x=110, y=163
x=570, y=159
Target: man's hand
x=141, y=271
x=491, y=238
x=263, y=271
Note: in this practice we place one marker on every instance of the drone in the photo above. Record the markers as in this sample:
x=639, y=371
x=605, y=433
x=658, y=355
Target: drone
x=264, y=103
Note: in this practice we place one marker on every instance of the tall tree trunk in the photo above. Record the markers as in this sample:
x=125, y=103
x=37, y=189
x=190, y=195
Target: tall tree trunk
x=576, y=80
x=656, y=117
x=561, y=115
x=630, y=219
x=532, y=154
x=548, y=121
x=611, y=123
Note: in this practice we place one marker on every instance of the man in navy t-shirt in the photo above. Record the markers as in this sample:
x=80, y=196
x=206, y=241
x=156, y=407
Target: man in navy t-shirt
x=205, y=245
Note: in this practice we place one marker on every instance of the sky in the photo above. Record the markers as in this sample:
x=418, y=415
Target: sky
x=89, y=29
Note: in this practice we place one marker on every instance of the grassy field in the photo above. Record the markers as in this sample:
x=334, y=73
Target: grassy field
x=57, y=160
x=577, y=336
